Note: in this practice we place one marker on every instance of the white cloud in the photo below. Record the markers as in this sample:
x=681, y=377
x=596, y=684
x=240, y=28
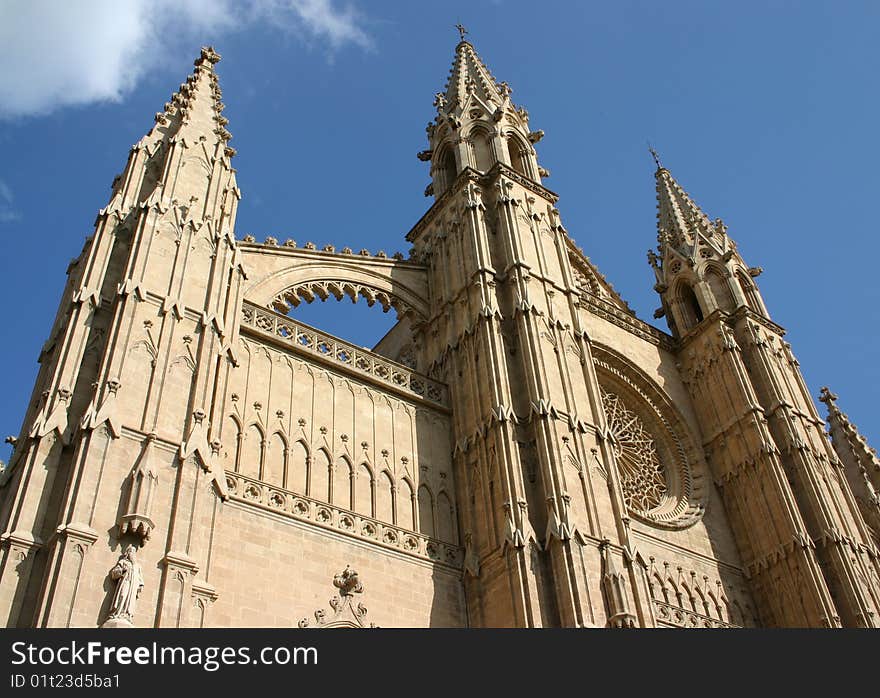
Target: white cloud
x=55, y=54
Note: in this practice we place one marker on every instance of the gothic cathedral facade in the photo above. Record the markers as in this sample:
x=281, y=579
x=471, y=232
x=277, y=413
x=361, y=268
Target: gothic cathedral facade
x=519, y=450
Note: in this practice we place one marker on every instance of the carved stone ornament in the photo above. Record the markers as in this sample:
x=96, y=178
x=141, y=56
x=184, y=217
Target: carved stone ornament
x=641, y=472
x=136, y=518
x=345, y=613
x=129, y=582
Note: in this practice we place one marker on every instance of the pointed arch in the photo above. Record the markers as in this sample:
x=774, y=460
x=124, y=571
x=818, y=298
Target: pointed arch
x=445, y=519
x=319, y=484
x=481, y=149
x=664, y=591
x=705, y=609
x=749, y=291
x=385, y=497
x=426, y=511
x=690, y=311
x=275, y=466
x=719, y=607
x=446, y=170
x=405, y=505
x=719, y=284
x=519, y=155
x=364, y=486
x=252, y=449
x=232, y=437
x=298, y=467
x=343, y=481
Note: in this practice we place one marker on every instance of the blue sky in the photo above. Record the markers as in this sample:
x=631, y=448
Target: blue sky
x=765, y=112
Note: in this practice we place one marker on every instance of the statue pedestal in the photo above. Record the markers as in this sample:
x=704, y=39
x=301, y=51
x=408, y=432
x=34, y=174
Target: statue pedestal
x=117, y=623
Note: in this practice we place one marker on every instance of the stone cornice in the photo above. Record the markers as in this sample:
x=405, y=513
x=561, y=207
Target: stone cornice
x=630, y=323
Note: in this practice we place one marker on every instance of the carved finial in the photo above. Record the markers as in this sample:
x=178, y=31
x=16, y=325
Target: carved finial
x=461, y=30
x=655, y=156
x=826, y=396
x=208, y=54
x=348, y=582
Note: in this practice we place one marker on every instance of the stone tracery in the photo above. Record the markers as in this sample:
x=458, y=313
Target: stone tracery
x=642, y=473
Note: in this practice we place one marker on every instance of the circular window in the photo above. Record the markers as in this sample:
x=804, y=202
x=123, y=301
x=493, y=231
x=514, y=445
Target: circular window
x=661, y=470
x=641, y=472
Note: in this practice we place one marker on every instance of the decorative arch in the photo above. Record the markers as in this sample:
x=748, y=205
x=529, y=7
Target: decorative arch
x=252, y=451
x=749, y=291
x=364, y=489
x=446, y=169
x=481, y=148
x=519, y=154
x=406, y=504
x=426, y=511
x=719, y=283
x=275, y=461
x=385, y=497
x=343, y=481
x=286, y=277
x=682, y=500
x=319, y=480
x=298, y=467
x=690, y=310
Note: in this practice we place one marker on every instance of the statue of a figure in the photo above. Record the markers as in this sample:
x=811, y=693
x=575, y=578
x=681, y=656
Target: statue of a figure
x=129, y=582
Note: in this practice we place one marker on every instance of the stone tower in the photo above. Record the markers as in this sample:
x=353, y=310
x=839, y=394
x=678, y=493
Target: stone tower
x=135, y=359
x=804, y=542
x=519, y=450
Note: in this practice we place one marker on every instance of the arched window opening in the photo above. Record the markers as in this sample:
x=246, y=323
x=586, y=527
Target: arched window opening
x=720, y=290
x=448, y=168
x=518, y=156
x=749, y=291
x=482, y=149
x=690, y=306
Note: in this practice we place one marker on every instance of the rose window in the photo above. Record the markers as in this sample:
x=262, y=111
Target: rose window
x=642, y=476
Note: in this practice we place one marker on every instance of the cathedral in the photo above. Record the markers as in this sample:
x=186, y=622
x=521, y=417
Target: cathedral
x=519, y=450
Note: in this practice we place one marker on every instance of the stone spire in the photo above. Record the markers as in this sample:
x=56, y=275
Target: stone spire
x=696, y=265
x=192, y=121
x=196, y=109
x=477, y=126
x=680, y=222
x=470, y=76
x=860, y=462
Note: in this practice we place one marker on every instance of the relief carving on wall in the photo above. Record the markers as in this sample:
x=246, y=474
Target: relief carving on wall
x=344, y=612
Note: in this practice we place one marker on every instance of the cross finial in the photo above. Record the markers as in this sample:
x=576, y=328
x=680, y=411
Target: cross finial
x=655, y=156
x=461, y=30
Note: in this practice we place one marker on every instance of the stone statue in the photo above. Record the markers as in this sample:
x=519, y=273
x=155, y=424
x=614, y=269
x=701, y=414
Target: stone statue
x=129, y=582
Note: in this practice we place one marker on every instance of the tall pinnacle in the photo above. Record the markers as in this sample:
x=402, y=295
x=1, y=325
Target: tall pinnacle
x=681, y=223
x=846, y=437
x=679, y=220
x=195, y=110
x=470, y=76
x=191, y=123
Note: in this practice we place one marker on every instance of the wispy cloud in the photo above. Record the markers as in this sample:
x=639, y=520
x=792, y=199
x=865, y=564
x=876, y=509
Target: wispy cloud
x=55, y=54
x=8, y=213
